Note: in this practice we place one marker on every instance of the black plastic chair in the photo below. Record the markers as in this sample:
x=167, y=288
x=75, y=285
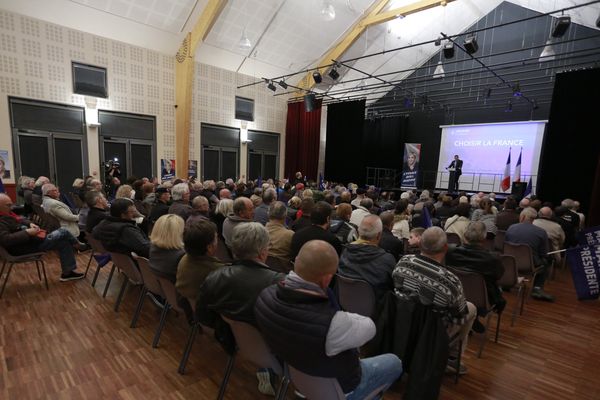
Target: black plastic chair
x=23, y=259
x=151, y=287
x=356, y=296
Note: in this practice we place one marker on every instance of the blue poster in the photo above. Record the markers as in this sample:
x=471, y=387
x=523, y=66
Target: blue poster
x=410, y=167
x=584, y=262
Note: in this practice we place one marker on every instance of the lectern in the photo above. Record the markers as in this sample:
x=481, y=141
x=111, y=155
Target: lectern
x=452, y=179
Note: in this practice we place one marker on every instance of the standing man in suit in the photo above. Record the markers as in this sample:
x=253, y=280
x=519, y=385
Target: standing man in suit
x=457, y=164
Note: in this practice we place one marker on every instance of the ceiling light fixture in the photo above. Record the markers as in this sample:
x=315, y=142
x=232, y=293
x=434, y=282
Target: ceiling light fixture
x=548, y=53
x=439, y=71
x=271, y=86
x=449, y=49
x=333, y=74
x=327, y=12
x=244, y=43
x=283, y=84
x=471, y=44
x=317, y=77
x=560, y=26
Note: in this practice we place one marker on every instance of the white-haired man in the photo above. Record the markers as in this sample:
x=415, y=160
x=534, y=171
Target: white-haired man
x=181, y=201
x=59, y=210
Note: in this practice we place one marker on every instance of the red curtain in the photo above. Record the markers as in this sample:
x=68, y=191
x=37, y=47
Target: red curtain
x=302, y=140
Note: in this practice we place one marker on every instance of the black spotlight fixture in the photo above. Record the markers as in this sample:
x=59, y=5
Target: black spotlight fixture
x=471, y=44
x=333, y=74
x=517, y=90
x=271, y=86
x=283, y=84
x=448, y=49
x=317, y=77
x=309, y=102
x=561, y=25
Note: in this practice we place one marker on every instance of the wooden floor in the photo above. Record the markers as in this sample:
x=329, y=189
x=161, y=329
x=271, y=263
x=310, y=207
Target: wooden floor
x=68, y=343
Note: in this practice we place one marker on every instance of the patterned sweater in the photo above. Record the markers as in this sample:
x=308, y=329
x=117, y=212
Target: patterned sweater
x=433, y=283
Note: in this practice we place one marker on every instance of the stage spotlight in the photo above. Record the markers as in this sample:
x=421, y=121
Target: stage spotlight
x=271, y=86
x=333, y=74
x=438, y=41
x=471, y=44
x=449, y=50
x=560, y=26
x=317, y=77
x=439, y=71
x=283, y=84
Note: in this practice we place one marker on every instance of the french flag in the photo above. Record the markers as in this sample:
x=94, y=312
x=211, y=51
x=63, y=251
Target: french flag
x=505, y=184
x=517, y=177
x=528, y=189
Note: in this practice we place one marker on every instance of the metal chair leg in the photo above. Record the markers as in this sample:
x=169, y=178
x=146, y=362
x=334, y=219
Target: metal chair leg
x=458, y=360
x=188, y=347
x=121, y=293
x=138, y=308
x=88, y=264
x=498, y=326
x=228, y=370
x=485, y=334
x=110, y=275
x=283, y=385
x=44, y=273
x=10, y=267
x=38, y=270
x=96, y=276
x=161, y=325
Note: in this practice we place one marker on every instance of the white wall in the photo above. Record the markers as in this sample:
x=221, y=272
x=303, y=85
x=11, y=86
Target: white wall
x=35, y=63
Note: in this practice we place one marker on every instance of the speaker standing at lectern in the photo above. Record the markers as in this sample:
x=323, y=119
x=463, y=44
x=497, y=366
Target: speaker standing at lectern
x=455, y=169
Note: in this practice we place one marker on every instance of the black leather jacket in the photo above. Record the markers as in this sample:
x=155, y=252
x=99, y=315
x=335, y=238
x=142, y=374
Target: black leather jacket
x=233, y=290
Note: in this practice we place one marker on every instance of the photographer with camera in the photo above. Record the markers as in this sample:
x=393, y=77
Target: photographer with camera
x=112, y=175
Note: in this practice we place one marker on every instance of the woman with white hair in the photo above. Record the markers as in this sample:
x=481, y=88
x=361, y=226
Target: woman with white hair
x=224, y=208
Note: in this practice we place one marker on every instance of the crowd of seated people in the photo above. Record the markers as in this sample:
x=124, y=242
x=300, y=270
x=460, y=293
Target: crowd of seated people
x=395, y=246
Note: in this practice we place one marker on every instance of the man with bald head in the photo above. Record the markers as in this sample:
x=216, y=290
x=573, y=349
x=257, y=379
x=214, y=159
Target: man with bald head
x=20, y=236
x=364, y=259
x=303, y=325
x=553, y=230
x=200, y=211
x=424, y=275
x=224, y=194
x=243, y=212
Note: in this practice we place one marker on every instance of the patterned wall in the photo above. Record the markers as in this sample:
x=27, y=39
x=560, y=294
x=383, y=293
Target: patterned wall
x=35, y=63
x=214, y=102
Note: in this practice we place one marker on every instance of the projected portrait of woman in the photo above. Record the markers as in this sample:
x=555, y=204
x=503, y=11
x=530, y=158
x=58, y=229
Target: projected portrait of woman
x=412, y=162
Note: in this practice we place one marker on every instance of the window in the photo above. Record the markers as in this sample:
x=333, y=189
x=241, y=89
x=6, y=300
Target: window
x=89, y=80
x=244, y=108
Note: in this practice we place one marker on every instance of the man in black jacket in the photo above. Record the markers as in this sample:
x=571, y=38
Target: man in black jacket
x=232, y=290
x=161, y=207
x=119, y=232
x=319, y=230
x=19, y=236
x=389, y=242
x=473, y=257
x=364, y=259
x=98, y=209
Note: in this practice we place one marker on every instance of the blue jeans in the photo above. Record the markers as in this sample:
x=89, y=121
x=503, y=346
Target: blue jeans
x=61, y=240
x=380, y=371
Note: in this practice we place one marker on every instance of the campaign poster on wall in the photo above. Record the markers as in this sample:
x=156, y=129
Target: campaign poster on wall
x=167, y=169
x=4, y=165
x=192, y=168
x=410, y=167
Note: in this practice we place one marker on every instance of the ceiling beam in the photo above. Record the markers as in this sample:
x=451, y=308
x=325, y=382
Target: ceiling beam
x=373, y=17
x=184, y=82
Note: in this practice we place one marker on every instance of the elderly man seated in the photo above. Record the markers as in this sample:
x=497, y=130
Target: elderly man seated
x=232, y=290
x=59, y=210
x=19, y=236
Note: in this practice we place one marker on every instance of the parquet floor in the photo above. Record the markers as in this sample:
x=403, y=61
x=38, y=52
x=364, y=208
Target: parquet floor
x=68, y=343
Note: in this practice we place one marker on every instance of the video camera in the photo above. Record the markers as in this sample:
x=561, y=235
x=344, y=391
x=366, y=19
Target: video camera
x=111, y=164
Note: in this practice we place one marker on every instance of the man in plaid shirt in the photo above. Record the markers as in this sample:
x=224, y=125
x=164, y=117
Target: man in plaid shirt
x=426, y=276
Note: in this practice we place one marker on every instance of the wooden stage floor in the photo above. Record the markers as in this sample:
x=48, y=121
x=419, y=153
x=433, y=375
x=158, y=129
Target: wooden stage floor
x=68, y=343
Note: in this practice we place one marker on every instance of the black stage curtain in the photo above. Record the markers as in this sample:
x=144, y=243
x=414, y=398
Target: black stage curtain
x=383, y=142
x=571, y=150
x=344, y=156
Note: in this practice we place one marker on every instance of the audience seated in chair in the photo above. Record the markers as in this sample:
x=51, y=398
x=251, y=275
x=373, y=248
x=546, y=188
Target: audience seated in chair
x=19, y=236
x=473, y=257
x=509, y=215
x=424, y=275
x=119, y=233
x=364, y=259
x=200, y=243
x=525, y=232
x=243, y=212
x=341, y=227
x=318, y=230
x=553, y=230
x=181, y=201
x=261, y=213
x=98, y=209
x=200, y=210
x=59, y=210
x=303, y=325
x=459, y=221
x=161, y=205
x=389, y=242
x=166, y=247
x=280, y=237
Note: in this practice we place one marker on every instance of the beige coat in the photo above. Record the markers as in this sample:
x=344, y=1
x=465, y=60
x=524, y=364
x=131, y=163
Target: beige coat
x=62, y=212
x=280, y=240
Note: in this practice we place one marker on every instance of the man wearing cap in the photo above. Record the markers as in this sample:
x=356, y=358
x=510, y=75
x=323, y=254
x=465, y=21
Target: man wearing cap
x=161, y=207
